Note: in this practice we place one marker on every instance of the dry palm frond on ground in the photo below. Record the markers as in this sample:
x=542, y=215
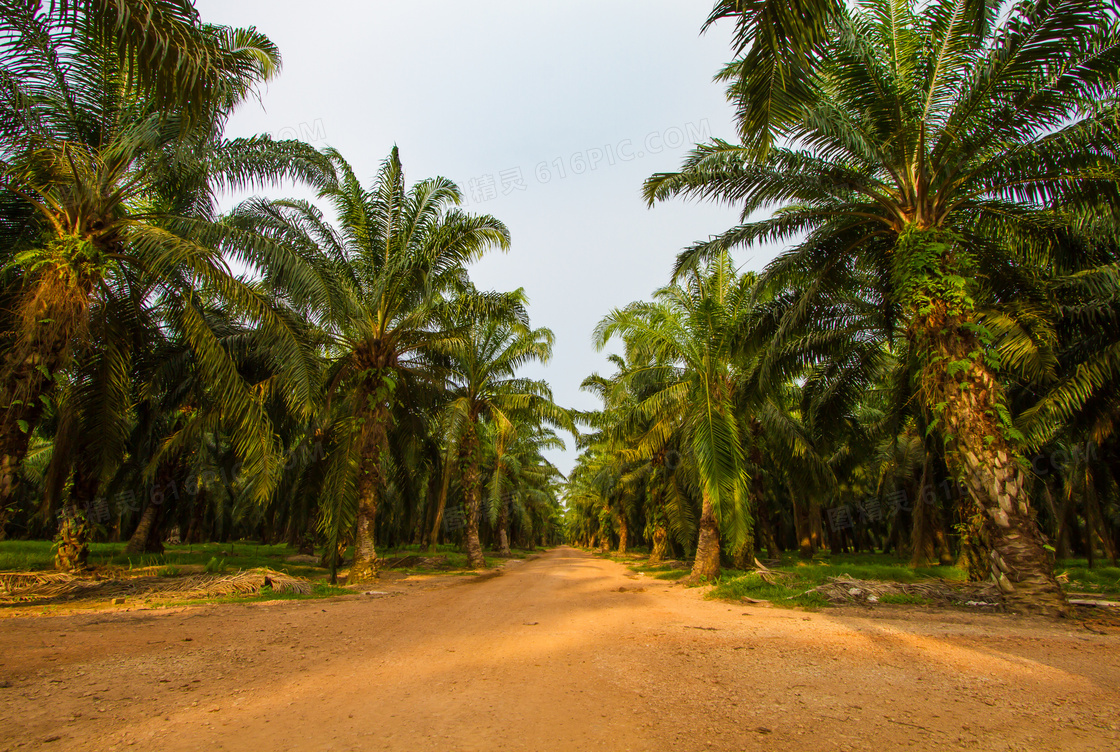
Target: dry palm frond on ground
x=849, y=590
x=22, y=588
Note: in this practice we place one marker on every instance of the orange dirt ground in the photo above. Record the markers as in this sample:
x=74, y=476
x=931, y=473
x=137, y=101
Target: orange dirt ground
x=563, y=652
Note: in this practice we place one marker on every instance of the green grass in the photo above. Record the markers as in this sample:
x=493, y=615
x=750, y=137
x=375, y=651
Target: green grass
x=456, y=559
x=217, y=558
x=27, y=556
x=734, y=586
x=1100, y=579
x=905, y=599
x=635, y=559
x=884, y=567
x=671, y=571
x=802, y=575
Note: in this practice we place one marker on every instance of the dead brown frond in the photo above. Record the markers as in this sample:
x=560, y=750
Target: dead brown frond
x=846, y=590
x=40, y=587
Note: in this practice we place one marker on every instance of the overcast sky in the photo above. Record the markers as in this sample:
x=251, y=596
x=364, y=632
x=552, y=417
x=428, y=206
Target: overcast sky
x=548, y=116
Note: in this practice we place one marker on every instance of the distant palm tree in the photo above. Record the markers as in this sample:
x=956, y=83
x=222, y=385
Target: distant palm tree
x=395, y=269
x=631, y=470
x=688, y=337
x=484, y=386
x=521, y=480
x=944, y=154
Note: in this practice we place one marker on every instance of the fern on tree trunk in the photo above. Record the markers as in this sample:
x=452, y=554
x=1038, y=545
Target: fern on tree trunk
x=965, y=403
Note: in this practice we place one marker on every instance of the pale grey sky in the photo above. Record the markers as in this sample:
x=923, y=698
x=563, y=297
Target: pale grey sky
x=548, y=116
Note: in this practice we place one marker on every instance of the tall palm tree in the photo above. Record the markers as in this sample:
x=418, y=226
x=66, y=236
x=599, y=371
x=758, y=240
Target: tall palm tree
x=113, y=198
x=943, y=154
x=687, y=336
x=173, y=57
x=485, y=386
x=655, y=479
x=396, y=269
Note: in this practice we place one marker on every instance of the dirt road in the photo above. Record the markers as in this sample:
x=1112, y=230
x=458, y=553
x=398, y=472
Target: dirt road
x=564, y=652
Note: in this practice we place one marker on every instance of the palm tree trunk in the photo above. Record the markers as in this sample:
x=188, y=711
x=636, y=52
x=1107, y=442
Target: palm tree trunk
x=468, y=453
x=1093, y=509
x=503, y=528
x=816, y=525
x=803, y=528
x=13, y=448
x=198, y=516
x=72, y=553
x=944, y=550
x=970, y=400
x=923, y=543
x=445, y=482
x=623, y=532
x=1060, y=513
x=306, y=540
x=657, y=529
x=23, y=387
x=51, y=315
x=766, y=529
x=74, y=530
x=760, y=514
x=660, y=543
x=364, y=566
x=706, y=564
x=145, y=538
x=743, y=558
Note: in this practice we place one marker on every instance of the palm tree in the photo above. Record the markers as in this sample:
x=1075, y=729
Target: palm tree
x=687, y=336
x=112, y=196
x=1081, y=395
x=1075, y=412
x=173, y=58
x=396, y=269
x=654, y=479
x=521, y=479
x=485, y=386
x=942, y=154
x=777, y=44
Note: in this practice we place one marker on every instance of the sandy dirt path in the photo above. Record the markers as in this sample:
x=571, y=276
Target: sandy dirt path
x=563, y=652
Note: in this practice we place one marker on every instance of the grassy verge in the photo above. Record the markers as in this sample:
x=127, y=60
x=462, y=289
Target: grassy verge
x=32, y=556
x=638, y=562
x=319, y=590
x=796, y=576
x=451, y=560
x=108, y=559
x=219, y=558
x=1104, y=580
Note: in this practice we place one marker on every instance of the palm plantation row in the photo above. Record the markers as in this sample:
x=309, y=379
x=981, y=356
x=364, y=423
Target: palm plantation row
x=941, y=326
x=941, y=175
x=341, y=387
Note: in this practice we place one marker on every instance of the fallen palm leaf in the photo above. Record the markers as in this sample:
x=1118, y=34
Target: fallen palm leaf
x=845, y=589
x=27, y=588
